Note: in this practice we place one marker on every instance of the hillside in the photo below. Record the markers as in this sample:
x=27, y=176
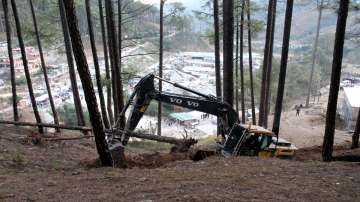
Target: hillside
x=47, y=172
x=304, y=23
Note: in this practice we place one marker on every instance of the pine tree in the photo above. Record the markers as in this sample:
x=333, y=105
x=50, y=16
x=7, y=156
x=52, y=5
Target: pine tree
x=107, y=65
x=283, y=66
x=228, y=46
x=85, y=77
x=242, y=93
x=96, y=64
x=253, y=115
x=335, y=81
x=11, y=59
x=162, y=3
x=320, y=7
x=26, y=67
x=74, y=87
x=44, y=68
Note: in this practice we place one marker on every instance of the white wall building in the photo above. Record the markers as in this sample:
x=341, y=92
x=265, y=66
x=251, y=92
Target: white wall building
x=350, y=106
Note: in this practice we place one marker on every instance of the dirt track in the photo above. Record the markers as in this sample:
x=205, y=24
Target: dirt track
x=66, y=172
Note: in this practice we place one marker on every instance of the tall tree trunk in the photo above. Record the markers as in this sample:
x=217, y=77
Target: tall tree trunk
x=115, y=68
x=335, y=81
x=25, y=63
x=162, y=2
x=355, y=137
x=96, y=64
x=111, y=44
x=266, y=72
x=283, y=66
x=11, y=59
x=44, y=68
x=228, y=43
x=119, y=48
x=77, y=102
x=237, y=57
x=217, y=54
x=107, y=66
x=265, y=65
x=242, y=93
x=253, y=115
x=269, y=69
x=314, y=54
x=83, y=69
x=118, y=69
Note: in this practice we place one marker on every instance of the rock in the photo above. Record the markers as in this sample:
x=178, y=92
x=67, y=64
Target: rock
x=51, y=183
x=75, y=173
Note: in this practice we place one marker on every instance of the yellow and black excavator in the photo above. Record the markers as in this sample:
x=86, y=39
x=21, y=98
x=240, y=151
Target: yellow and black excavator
x=237, y=139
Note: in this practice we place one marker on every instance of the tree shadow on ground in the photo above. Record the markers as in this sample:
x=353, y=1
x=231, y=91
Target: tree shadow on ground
x=347, y=158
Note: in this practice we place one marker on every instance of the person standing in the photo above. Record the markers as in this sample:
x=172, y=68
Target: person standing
x=297, y=108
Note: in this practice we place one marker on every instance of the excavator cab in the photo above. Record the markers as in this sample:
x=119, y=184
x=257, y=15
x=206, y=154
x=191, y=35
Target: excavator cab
x=247, y=140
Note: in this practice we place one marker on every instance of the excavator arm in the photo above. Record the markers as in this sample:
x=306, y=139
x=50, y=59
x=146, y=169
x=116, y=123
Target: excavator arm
x=145, y=92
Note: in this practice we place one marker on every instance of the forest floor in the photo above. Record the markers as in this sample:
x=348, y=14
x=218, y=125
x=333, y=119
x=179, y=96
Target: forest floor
x=68, y=171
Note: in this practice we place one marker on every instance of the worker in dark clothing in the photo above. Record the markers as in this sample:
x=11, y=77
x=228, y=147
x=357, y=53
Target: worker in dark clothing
x=297, y=108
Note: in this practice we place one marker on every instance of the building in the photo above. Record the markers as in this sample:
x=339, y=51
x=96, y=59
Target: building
x=189, y=119
x=32, y=55
x=350, y=106
x=351, y=73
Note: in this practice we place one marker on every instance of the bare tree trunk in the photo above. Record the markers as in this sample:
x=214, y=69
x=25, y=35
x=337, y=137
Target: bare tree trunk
x=83, y=69
x=44, y=68
x=115, y=68
x=228, y=42
x=217, y=55
x=107, y=66
x=25, y=63
x=265, y=66
x=242, y=93
x=269, y=69
x=335, y=81
x=118, y=71
x=355, y=137
x=314, y=54
x=72, y=73
x=253, y=115
x=112, y=47
x=237, y=57
x=266, y=74
x=96, y=65
x=162, y=2
x=11, y=59
x=283, y=66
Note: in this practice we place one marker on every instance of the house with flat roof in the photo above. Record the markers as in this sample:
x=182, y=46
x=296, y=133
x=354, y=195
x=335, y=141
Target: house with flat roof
x=350, y=106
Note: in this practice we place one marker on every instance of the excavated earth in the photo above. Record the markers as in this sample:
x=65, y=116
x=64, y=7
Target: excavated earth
x=69, y=171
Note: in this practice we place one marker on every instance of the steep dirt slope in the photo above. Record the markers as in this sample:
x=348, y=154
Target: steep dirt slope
x=66, y=171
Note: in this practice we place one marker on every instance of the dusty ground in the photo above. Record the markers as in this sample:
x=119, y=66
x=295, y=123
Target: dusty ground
x=307, y=129
x=67, y=171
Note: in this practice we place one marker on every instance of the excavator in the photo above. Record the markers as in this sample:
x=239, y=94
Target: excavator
x=236, y=138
